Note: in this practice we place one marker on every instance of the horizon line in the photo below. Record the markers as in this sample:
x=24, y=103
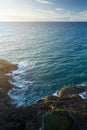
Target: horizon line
x=41, y=21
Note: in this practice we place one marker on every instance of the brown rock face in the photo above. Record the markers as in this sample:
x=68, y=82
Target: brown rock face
x=72, y=90
x=5, y=67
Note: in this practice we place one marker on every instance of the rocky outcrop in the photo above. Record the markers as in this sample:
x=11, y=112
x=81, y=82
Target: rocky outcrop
x=67, y=111
x=31, y=117
x=5, y=68
x=72, y=90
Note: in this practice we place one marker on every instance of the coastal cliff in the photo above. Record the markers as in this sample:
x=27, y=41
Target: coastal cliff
x=67, y=111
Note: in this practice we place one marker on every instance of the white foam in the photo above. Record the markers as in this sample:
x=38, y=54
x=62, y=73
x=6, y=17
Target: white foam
x=83, y=95
x=17, y=95
x=22, y=67
x=83, y=84
x=18, y=75
x=17, y=84
x=56, y=93
x=9, y=74
x=19, y=80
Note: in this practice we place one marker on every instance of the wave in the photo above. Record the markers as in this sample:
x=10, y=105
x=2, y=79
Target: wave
x=22, y=67
x=20, y=82
x=56, y=93
x=83, y=95
x=25, y=91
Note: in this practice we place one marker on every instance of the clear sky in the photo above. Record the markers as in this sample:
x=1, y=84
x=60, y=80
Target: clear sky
x=43, y=10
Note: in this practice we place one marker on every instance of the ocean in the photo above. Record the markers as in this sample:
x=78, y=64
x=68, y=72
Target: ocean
x=50, y=55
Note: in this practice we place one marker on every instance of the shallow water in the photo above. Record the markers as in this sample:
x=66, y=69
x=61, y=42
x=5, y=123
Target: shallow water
x=49, y=57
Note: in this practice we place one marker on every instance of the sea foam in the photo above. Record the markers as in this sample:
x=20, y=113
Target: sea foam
x=83, y=95
x=20, y=82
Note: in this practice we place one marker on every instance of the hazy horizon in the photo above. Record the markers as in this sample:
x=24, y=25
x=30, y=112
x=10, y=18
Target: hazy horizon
x=42, y=21
x=43, y=10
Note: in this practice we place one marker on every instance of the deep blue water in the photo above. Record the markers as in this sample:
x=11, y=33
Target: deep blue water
x=50, y=56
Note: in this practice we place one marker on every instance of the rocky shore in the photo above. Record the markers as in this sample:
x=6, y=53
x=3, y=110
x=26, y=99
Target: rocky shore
x=67, y=111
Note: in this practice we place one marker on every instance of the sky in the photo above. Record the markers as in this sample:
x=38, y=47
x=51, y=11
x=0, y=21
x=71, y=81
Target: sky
x=43, y=10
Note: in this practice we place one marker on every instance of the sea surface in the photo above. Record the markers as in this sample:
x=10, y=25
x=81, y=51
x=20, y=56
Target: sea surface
x=49, y=55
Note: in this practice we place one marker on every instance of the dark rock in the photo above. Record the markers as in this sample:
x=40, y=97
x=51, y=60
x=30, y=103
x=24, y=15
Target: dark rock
x=59, y=120
x=72, y=90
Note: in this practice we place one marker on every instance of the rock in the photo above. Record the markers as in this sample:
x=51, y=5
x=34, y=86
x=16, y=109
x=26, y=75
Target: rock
x=59, y=119
x=46, y=98
x=30, y=117
x=6, y=67
x=72, y=90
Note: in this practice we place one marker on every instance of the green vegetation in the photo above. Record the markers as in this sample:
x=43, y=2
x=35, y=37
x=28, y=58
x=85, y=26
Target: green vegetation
x=58, y=120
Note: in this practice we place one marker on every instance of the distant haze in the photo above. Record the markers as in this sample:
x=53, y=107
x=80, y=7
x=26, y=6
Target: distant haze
x=43, y=10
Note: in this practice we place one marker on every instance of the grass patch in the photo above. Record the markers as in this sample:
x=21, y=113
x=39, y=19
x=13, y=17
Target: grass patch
x=59, y=119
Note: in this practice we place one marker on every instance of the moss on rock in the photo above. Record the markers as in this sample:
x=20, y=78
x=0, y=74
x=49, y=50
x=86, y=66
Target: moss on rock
x=58, y=120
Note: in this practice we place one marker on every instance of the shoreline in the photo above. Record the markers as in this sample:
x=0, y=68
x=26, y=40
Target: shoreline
x=5, y=68
x=67, y=104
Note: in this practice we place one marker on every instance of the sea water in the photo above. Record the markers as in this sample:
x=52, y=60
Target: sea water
x=50, y=55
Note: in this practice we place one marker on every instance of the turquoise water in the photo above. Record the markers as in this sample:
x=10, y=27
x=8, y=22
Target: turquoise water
x=49, y=56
